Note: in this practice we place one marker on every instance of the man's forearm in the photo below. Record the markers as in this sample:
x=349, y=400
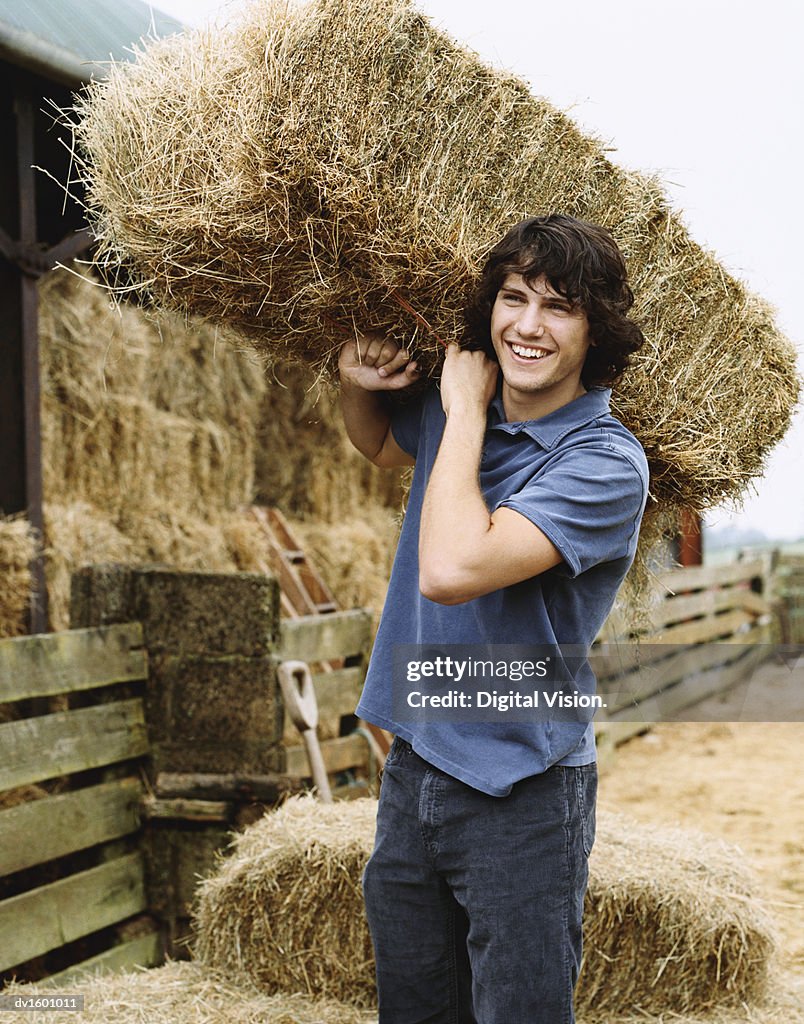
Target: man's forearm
x=366, y=417
x=455, y=519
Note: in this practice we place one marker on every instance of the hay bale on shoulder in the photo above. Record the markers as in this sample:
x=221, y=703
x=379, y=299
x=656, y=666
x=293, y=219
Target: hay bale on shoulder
x=672, y=922
x=320, y=166
x=181, y=993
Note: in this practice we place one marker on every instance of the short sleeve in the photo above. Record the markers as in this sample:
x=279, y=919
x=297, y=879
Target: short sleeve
x=406, y=424
x=588, y=502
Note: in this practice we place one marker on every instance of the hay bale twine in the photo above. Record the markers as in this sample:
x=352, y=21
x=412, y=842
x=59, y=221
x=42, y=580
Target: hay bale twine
x=672, y=922
x=318, y=166
x=180, y=993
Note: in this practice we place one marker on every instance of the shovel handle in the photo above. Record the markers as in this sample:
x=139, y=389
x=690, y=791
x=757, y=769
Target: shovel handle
x=298, y=693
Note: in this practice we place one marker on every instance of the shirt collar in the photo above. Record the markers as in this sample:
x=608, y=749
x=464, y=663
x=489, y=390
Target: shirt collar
x=550, y=429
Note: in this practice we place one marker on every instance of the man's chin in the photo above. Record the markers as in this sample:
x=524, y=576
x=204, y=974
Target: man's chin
x=526, y=384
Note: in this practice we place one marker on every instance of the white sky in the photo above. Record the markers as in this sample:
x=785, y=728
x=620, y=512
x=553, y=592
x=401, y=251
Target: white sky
x=709, y=95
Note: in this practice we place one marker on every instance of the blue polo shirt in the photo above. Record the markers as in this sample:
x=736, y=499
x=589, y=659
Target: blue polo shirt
x=582, y=478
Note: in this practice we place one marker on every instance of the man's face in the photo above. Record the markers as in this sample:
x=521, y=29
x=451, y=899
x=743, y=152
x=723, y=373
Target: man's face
x=540, y=339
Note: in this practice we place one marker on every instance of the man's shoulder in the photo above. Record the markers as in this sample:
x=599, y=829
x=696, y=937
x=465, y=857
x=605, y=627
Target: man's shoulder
x=606, y=434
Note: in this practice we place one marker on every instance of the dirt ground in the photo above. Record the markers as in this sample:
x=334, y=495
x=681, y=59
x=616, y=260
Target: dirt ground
x=739, y=781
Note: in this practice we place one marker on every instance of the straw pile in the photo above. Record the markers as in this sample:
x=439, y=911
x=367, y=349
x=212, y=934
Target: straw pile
x=180, y=993
x=316, y=167
x=671, y=921
x=16, y=551
x=139, y=416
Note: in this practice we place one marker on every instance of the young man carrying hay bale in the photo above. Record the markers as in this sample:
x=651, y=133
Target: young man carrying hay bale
x=521, y=524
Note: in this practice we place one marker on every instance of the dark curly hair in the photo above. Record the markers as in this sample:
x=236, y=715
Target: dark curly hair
x=582, y=263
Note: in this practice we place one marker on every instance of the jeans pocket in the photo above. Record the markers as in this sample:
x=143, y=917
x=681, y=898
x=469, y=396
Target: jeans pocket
x=586, y=789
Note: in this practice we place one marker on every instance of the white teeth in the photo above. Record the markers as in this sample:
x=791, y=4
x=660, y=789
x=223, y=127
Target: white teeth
x=529, y=353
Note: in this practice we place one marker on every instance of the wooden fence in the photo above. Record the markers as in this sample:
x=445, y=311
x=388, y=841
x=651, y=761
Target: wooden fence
x=70, y=750
x=707, y=628
x=789, y=589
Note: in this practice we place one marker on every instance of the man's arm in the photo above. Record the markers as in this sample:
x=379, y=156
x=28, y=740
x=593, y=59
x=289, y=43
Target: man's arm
x=464, y=551
x=370, y=367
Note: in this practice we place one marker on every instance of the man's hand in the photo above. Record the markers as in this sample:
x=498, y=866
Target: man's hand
x=370, y=366
x=376, y=363
x=468, y=381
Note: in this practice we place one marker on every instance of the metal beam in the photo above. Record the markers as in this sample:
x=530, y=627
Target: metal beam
x=29, y=309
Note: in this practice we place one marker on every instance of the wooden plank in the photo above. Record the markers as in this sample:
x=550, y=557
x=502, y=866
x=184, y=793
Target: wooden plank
x=289, y=581
x=791, y=563
x=324, y=637
x=187, y=809
x=339, y=754
x=704, y=576
x=42, y=830
x=751, y=602
x=144, y=951
x=690, y=606
x=680, y=664
x=613, y=659
x=269, y=788
x=338, y=692
x=33, y=749
x=707, y=629
x=689, y=691
x=53, y=915
x=310, y=578
x=79, y=659
x=665, y=666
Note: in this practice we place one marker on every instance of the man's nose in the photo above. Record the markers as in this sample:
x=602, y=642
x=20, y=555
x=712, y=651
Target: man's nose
x=530, y=323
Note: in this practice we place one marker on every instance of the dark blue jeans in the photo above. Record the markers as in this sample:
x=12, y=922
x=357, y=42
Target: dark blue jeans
x=474, y=902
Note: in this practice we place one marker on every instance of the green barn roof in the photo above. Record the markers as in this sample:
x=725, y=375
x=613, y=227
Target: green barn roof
x=71, y=40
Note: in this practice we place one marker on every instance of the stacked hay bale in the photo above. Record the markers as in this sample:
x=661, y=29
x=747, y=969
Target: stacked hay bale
x=17, y=545
x=672, y=922
x=338, y=164
x=154, y=432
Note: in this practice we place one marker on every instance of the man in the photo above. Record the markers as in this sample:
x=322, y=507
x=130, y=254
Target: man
x=522, y=521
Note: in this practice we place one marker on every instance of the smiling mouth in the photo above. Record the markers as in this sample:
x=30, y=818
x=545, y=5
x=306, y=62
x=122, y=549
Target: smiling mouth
x=528, y=353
